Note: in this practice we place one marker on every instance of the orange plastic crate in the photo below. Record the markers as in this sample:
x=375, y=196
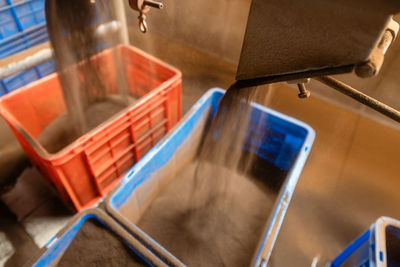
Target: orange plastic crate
x=88, y=168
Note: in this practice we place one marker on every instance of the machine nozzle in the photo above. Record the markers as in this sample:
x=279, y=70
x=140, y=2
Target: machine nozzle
x=154, y=4
x=143, y=6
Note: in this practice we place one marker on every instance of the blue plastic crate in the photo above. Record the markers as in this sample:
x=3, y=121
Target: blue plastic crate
x=23, y=78
x=3, y=90
x=357, y=254
x=8, y=24
x=23, y=40
x=373, y=249
x=53, y=251
x=46, y=68
x=285, y=142
x=18, y=16
x=22, y=25
x=16, y=81
x=29, y=12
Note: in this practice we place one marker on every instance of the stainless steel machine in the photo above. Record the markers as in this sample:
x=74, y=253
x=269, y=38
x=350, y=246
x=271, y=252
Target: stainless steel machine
x=288, y=40
x=293, y=41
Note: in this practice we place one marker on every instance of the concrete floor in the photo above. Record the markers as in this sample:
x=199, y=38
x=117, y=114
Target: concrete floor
x=350, y=179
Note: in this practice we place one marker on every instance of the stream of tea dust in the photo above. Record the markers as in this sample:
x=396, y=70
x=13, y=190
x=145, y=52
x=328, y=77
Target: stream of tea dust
x=92, y=95
x=214, y=213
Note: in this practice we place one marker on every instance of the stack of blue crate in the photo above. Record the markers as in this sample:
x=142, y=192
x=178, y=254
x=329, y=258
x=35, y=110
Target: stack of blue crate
x=22, y=25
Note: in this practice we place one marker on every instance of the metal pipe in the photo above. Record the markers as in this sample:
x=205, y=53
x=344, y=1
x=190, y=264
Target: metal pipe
x=360, y=97
x=153, y=4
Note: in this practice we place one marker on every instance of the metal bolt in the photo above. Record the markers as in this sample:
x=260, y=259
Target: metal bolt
x=374, y=63
x=365, y=70
x=304, y=93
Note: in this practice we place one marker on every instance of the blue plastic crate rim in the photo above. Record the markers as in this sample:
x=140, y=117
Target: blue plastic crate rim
x=381, y=247
x=54, y=250
x=302, y=137
x=370, y=249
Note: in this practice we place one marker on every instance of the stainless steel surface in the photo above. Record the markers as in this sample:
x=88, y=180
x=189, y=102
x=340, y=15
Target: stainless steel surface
x=360, y=97
x=350, y=179
x=300, y=39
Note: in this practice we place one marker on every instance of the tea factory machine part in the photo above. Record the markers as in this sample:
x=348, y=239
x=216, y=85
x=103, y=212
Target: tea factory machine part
x=143, y=6
x=292, y=41
x=360, y=97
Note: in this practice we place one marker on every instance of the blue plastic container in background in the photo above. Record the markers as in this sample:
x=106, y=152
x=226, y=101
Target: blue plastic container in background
x=53, y=251
x=25, y=77
x=18, y=16
x=22, y=26
x=284, y=141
